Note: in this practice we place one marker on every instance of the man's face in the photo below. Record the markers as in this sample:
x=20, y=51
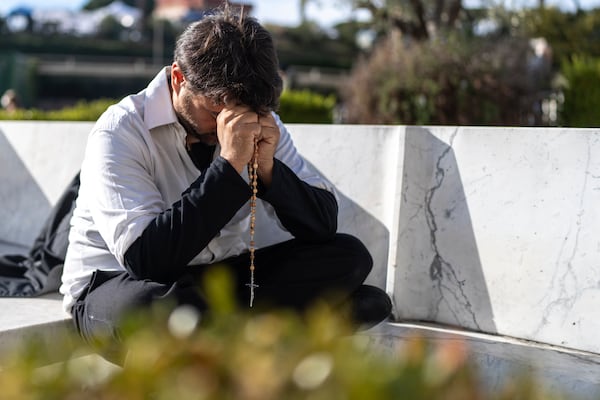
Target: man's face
x=197, y=114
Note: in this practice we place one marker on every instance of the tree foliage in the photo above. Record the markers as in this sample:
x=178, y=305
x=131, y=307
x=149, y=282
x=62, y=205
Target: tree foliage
x=417, y=19
x=581, y=106
x=308, y=44
x=146, y=6
x=110, y=28
x=569, y=34
x=451, y=82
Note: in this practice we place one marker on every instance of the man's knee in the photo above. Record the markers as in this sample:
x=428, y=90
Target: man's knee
x=102, y=311
x=147, y=293
x=358, y=256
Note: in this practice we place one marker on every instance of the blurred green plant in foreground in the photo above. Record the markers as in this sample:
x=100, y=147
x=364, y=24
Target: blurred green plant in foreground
x=230, y=354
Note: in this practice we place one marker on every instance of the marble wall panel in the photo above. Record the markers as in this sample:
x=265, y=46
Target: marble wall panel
x=362, y=162
x=498, y=232
x=37, y=161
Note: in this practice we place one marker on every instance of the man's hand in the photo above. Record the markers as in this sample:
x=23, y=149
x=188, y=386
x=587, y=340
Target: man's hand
x=267, y=144
x=237, y=129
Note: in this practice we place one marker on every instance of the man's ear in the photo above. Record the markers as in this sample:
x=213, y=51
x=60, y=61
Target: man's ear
x=177, y=77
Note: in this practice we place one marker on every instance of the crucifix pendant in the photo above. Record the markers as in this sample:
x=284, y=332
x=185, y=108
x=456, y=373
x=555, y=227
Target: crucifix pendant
x=252, y=286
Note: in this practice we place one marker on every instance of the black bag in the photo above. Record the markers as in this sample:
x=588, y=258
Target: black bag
x=39, y=272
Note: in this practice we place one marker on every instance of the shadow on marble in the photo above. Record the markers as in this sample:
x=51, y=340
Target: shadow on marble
x=439, y=275
x=20, y=195
x=355, y=220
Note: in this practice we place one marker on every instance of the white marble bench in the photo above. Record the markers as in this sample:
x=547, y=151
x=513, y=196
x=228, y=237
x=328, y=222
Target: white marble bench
x=487, y=235
x=37, y=161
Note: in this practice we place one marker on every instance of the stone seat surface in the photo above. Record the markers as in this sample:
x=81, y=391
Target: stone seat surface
x=41, y=318
x=501, y=359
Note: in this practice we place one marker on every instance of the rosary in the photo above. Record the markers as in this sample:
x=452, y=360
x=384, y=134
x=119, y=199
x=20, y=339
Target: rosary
x=253, y=177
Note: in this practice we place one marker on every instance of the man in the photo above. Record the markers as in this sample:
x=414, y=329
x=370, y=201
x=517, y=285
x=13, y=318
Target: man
x=165, y=193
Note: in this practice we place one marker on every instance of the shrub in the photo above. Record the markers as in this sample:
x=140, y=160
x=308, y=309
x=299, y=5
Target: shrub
x=82, y=111
x=581, y=107
x=446, y=81
x=230, y=354
x=303, y=106
x=296, y=106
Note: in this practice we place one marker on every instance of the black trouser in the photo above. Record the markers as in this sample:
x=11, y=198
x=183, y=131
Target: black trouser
x=290, y=274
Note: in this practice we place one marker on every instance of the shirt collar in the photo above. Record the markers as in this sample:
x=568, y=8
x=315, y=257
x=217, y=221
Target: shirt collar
x=158, y=105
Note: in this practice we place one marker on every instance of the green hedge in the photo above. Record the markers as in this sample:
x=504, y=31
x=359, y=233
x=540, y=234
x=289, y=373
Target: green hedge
x=581, y=107
x=295, y=107
x=303, y=106
x=82, y=111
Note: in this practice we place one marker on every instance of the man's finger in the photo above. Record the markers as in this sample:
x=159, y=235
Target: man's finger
x=238, y=110
x=267, y=120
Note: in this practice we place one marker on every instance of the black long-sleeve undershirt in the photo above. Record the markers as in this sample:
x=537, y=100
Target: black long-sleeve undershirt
x=178, y=234
x=307, y=212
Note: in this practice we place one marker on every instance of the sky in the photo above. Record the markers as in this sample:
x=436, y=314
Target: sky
x=282, y=12
x=286, y=12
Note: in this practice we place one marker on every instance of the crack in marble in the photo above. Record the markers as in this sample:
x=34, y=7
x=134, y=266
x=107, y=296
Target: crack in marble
x=406, y=228
x=565, y=299
x=440, y=268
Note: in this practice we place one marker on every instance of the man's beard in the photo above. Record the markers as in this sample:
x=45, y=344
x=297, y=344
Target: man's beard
x=192, y=127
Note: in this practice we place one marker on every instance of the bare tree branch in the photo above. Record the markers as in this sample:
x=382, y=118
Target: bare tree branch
x=437, y=13
x=454, y=12
x=421, y=27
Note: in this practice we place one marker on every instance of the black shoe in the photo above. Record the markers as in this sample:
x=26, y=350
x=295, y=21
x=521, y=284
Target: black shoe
x=369, y=305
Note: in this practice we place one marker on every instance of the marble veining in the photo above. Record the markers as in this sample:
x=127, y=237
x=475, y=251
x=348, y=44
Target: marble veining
x=441, y=271
x=498, y=232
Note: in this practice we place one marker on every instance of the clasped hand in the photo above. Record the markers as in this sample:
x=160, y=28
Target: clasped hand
x=238, y=128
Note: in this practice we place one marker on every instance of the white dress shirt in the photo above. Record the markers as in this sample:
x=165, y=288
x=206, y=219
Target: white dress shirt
x=136, y=166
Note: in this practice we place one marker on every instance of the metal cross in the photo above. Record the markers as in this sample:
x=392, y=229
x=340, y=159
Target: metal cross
x=251, y=285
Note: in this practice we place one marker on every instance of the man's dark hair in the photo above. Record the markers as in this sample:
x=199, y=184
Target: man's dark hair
x=230, y=58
